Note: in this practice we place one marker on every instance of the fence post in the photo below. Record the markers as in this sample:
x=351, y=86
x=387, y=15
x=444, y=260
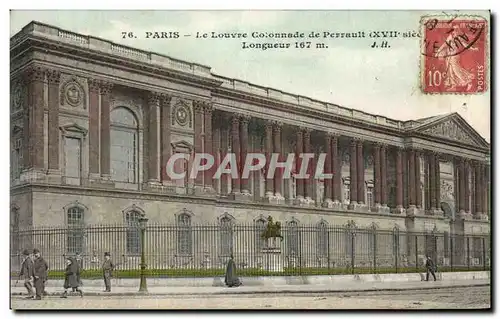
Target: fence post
x=483, y=244
x=352, y=250
x=468, y=253
x=328, y=249
x=451, y=252
x=416, y=252
x=396, y=248
x=375, y=251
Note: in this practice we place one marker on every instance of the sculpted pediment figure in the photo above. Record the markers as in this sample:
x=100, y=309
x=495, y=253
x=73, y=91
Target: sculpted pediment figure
x=454, y=128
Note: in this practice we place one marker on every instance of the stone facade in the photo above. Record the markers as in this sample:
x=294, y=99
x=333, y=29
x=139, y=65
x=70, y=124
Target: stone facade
x=76, y=98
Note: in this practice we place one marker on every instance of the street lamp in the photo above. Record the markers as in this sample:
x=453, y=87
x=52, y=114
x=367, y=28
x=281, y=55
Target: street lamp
x=143, y=223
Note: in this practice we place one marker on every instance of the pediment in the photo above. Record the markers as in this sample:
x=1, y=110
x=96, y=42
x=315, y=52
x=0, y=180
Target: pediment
x=453, y=128
x=74, y=128
x=182, y=145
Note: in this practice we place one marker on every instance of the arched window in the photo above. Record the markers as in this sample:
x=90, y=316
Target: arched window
x=226, y=236
x=184, y=238
x=260, y=227
x=322, y=243
x=293, y=238
x=124, y=146
x=133, y=232
x=75, y=221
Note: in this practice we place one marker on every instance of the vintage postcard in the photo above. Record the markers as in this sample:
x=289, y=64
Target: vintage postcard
x=250, y=160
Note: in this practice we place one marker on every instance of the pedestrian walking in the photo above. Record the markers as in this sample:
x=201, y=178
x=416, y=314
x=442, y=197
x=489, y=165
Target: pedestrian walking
x=26, y=273
x=71, y=277
x=430, y=267
x=79, y=261
x=40, y=273
x=107, y=271
x=231, y=279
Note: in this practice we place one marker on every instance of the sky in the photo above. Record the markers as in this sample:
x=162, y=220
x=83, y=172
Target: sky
x=384, y=81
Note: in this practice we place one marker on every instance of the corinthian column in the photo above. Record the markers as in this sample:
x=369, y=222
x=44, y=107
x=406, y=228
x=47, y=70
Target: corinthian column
x=105, y=89
x=328, y=170
x=268, y=146
x=361, y=172
x=245, y=189
x=378, y=173
x=208, y=109
x=198, y=137
x=53, y=77
x=278, y=176
x=399, y=182
x=153, y=142
x=235, y=149
x=353, y=176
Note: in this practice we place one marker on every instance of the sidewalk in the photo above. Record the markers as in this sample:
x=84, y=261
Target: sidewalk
x=349, y=287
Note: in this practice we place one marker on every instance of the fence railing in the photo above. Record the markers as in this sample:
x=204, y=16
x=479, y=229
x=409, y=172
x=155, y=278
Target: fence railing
x=203, y=250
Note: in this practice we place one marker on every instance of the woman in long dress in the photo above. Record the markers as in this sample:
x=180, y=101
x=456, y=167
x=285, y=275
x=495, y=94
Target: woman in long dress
x=71, y=277
x=231, y=279
x=456, y=75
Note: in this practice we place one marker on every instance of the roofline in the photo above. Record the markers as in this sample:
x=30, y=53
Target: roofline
x=55, y=33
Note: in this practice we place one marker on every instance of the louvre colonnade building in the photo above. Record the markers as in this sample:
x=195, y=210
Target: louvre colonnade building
x=94, y=122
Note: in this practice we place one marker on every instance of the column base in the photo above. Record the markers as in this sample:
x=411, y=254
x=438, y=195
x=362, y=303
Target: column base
x=244, y=197
x=277, y=199
x=481, y=216
x=32, y=175
x=327, y=203
x=384, y=209
x=336, y=205
x=412, y=211
x=303, y=202
x=54, y=176
x=465, y=215
x=359, y=207
x=399, y=210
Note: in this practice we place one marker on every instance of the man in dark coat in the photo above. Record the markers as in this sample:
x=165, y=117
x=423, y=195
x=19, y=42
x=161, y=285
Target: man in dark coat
x=231, y=279
x=430, y=267
x=79, y=260
x=71, y=277
x=26, y=273
x=107, y=271
x=40, y=273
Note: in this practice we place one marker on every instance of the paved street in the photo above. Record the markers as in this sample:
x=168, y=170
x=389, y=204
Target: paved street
x=445, y=298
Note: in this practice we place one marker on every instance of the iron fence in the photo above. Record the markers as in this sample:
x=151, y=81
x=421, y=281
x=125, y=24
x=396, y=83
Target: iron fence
x=203, y=250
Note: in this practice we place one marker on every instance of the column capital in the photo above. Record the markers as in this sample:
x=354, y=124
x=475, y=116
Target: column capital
x=333, y=135
x=94, y=85
x=245, y=118
x=153, y=98
x=208, y=107
x=165, y=98
x=105, y=87
x=277, y=125
x=235, y=118
x=198, y=106
x=34, y=73
x=53, y=76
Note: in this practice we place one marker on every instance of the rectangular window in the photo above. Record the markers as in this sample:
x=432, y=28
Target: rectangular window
x=369, y=196
x=72, y=165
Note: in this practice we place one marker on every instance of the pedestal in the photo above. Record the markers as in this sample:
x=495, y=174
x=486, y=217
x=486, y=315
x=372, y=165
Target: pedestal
x=412, y=211
x=399, y=210
x=272, y=256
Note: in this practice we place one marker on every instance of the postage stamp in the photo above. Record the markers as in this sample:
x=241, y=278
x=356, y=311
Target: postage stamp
x=454, y=54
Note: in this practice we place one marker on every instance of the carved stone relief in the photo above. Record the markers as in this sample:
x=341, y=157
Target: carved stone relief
x=447, y=190
x=369, y=161
x=450, y=130
x=72, y=93
x=346, y=158
x=18, y=96
x=182, y=115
